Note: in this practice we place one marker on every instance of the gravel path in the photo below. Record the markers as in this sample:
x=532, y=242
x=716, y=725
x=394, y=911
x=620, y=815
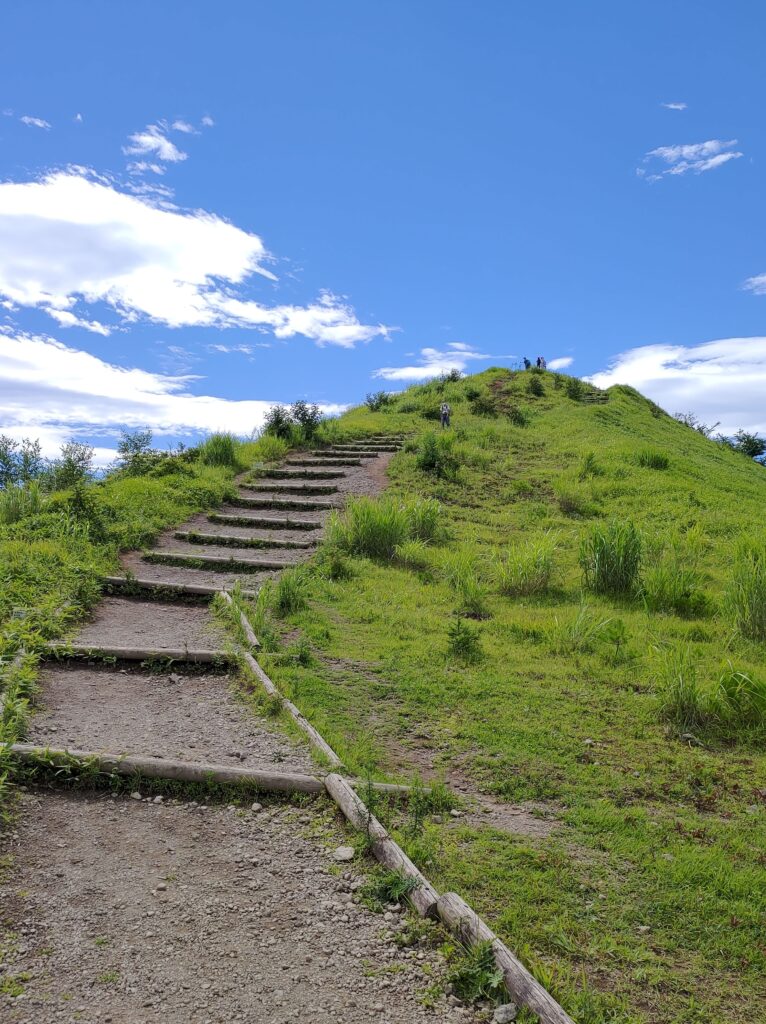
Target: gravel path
x=129, y=912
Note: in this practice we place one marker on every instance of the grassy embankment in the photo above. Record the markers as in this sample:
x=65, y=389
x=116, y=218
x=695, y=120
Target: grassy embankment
x=55, y=545
x=634, y=716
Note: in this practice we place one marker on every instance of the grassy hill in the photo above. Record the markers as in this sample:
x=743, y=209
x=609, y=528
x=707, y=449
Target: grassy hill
x=586, y=639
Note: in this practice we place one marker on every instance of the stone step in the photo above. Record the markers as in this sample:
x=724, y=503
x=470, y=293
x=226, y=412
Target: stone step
x=281, y=487
x=234, y=541
x=300, y=474
x=324, y=462
x=333, y=453
x=264, y=522
x=130, y=585
x=234, y=563
x=285, y=504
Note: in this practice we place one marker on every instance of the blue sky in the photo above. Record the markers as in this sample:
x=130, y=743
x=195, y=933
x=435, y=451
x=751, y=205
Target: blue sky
x=258, y=202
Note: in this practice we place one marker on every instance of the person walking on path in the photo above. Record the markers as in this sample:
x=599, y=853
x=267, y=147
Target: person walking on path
x=444, y=413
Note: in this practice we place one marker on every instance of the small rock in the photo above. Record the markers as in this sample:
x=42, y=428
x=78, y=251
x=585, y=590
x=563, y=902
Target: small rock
x=256, y=807
x=158, y=799
x=161, y=887
x=456, y=813
x=505, y=1013
x=343, y=853
x=136, y=796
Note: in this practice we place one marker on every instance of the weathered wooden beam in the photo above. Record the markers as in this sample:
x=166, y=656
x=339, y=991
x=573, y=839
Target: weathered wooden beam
x=521, y=986
x=247, y=629
x=96, y=651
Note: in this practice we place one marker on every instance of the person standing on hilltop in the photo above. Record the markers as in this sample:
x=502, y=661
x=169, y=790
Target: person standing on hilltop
x=527, y=363
x=444, y=413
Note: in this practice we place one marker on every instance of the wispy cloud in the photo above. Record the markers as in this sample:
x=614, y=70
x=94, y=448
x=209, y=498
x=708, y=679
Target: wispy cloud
x=756, y=285
x=208, y=121
x=674, y=106
x=720, y=381
x=244, y=349
x=51, y=391
x=184, y=126
x=696, y=158
x=433, y=362
x=560, y=364
x=34, y=122
x=78, y=118
x=69, y=241
x=153, y=140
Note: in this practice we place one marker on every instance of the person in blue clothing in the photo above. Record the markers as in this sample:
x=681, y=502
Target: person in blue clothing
x=444, y=414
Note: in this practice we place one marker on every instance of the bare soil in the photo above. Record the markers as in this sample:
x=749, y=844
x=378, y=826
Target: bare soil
x=131, y=912
x=175, y=715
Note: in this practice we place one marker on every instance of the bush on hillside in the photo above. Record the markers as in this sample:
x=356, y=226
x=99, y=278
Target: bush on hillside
x=464, y=642
x=219, y=450
x=279, y=423
x=20, y=461
x=745, y=597
x=610, y=558
x=573, y=388
x=377, y=400
x=672, y=586
x=483, y=405
x=517, y=416
x=306, y=417
x=435, y=454
x=535, y=386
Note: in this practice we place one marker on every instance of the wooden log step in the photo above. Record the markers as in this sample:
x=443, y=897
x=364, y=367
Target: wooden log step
x=367, y=450
x=300, y=474
x=194, y=561
x=168, y=768
x=263, y=522
x=521, y=986
x=231, y=540
x=93, y=651
x=285, y=504
x=128, y=585
x=324, y=462
x=281, y=487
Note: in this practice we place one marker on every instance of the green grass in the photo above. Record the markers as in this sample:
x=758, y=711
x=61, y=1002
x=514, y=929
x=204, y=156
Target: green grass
x=646, y=903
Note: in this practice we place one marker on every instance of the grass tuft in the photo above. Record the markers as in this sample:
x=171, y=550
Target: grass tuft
x=527, y=567
x=610, y=558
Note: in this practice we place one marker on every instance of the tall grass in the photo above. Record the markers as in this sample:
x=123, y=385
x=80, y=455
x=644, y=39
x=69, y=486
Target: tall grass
x=219, y=450
x=610, y=558
x=460, y=569
x=671, y=586
x=376, y=528
x=649, y=458
x=527, y=567
x=745, y=597
x=18, y=502
x=733, y=708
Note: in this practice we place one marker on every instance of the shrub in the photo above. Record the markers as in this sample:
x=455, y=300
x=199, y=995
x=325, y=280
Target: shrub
x=474, y=975
x=270, y=448
x=377, y=400
x=517, y=416
x=435, y=455
x=572, y=498
x=573, y=388
x=527, y=567
x=279, y=423
x=74, y=466
x=483, y=405
x=219, y=450
x=651, y=459
x=308, y=417
x=611, y=558
x=745, y=597
x=535, y=386
x=463, y=642
x=375, y=528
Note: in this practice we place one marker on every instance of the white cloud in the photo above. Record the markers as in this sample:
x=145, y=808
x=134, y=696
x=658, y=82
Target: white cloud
x=674, y=106
x=34, y=122
x=719, y=380
x=208, y=121
x=697, y=157
x=142, y=166
x=69, y=239
x=245, y=349
x=184, y=126
x=153, y=140
x=67, y=319
x=51, y=391
x=560, y=364
x=756, y=285
x=433, y=362
x=78, y=118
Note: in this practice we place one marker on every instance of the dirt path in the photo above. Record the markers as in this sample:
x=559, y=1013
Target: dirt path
x=129, y=910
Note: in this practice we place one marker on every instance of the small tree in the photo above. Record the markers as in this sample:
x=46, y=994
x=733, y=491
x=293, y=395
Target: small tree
x=74, y=466
x=751, y=445
x=30, y=460
x=279, y=422
x=377, y=400
x=535, y=386
x=9, y=458
x=133, y=450
x=308, y=417
x=690, y=420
